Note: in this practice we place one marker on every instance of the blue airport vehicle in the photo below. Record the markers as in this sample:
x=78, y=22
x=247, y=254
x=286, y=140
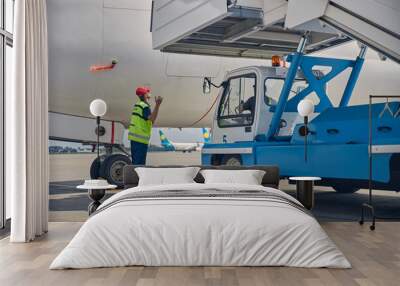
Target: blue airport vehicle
x=257, y=122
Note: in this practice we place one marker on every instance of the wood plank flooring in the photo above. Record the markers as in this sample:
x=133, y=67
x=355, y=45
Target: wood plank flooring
x=375, y=257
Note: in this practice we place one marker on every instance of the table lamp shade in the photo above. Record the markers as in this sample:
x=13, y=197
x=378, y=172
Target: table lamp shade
x=305, y=107
x=98, y=107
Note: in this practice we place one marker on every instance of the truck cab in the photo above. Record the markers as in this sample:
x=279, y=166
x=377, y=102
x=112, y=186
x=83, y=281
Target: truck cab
x=247, y=102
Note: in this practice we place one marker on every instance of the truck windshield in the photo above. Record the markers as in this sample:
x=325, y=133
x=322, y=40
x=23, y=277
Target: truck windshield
x=238, y=102
x=273, y=88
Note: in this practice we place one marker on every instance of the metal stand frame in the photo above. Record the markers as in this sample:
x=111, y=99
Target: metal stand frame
x=98, y=137
x=305, y=138
x=369, y=206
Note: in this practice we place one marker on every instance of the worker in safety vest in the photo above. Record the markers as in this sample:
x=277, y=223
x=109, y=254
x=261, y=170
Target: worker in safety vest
x=142, y=120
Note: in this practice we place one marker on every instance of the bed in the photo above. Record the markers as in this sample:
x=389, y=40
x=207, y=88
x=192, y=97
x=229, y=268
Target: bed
x=198, y=224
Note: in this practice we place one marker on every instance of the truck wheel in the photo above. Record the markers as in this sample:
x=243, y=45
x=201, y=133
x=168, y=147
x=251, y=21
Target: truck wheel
x=232, y=160
x=345, y=189
x=112, y=168
x=95, y=168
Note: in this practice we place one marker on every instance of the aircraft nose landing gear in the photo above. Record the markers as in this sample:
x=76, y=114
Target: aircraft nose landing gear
x=110, y=168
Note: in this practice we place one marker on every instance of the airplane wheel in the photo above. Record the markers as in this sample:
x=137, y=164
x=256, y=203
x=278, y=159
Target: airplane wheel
x=95, y=168
x=343, y=189
x=232, y=160
x=112, y=168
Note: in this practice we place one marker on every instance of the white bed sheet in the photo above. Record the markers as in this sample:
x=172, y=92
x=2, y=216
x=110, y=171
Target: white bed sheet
x=200, y=231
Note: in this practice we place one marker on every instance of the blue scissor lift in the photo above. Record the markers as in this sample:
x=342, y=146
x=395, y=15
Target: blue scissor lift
x=337, y=138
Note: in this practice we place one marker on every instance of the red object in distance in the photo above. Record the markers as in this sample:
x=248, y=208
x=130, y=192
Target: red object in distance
x=96, y=68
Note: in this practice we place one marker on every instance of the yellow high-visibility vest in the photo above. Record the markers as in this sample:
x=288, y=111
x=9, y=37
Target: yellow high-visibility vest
x=140, y=127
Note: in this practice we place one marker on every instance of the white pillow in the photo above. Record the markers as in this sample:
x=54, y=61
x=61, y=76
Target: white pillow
x=248, y=177
x=166, y=176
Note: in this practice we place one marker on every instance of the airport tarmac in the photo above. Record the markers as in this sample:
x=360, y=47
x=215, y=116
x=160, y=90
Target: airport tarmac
x=70, y=167
x=69, y=204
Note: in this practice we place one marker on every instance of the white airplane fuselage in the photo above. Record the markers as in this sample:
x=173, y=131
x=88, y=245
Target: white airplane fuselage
x=83, y=33
x=187, y=147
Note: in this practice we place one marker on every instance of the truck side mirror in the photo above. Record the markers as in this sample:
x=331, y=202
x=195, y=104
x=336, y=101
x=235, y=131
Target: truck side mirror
x=206, y=85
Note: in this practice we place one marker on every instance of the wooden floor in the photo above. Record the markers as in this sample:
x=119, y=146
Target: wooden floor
x=375, y=257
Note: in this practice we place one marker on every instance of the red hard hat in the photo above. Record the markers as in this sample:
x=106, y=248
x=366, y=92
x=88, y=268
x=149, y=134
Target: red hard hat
x=142, y=90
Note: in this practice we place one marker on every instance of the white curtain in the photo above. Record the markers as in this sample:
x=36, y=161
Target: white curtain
x=27, y=123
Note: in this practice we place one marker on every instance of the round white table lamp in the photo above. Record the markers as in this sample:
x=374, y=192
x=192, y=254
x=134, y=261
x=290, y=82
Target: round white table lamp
x=305, y=108
x=98, y=108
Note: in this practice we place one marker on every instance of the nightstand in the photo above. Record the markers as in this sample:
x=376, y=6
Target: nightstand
x=304, y=190
x=96, y=191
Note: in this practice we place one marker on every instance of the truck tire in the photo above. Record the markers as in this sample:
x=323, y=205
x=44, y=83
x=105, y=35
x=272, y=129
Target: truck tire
x=345, y=189
x=112, y=168
x=232, y=160
x=95, y=168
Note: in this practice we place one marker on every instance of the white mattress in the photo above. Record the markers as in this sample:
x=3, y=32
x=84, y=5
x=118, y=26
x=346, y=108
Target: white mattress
x=193, y=231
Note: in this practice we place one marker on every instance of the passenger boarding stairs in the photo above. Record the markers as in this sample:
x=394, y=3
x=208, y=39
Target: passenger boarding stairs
x=262, y=28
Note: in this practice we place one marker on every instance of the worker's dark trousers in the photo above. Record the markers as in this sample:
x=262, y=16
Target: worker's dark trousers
x=139, y=153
